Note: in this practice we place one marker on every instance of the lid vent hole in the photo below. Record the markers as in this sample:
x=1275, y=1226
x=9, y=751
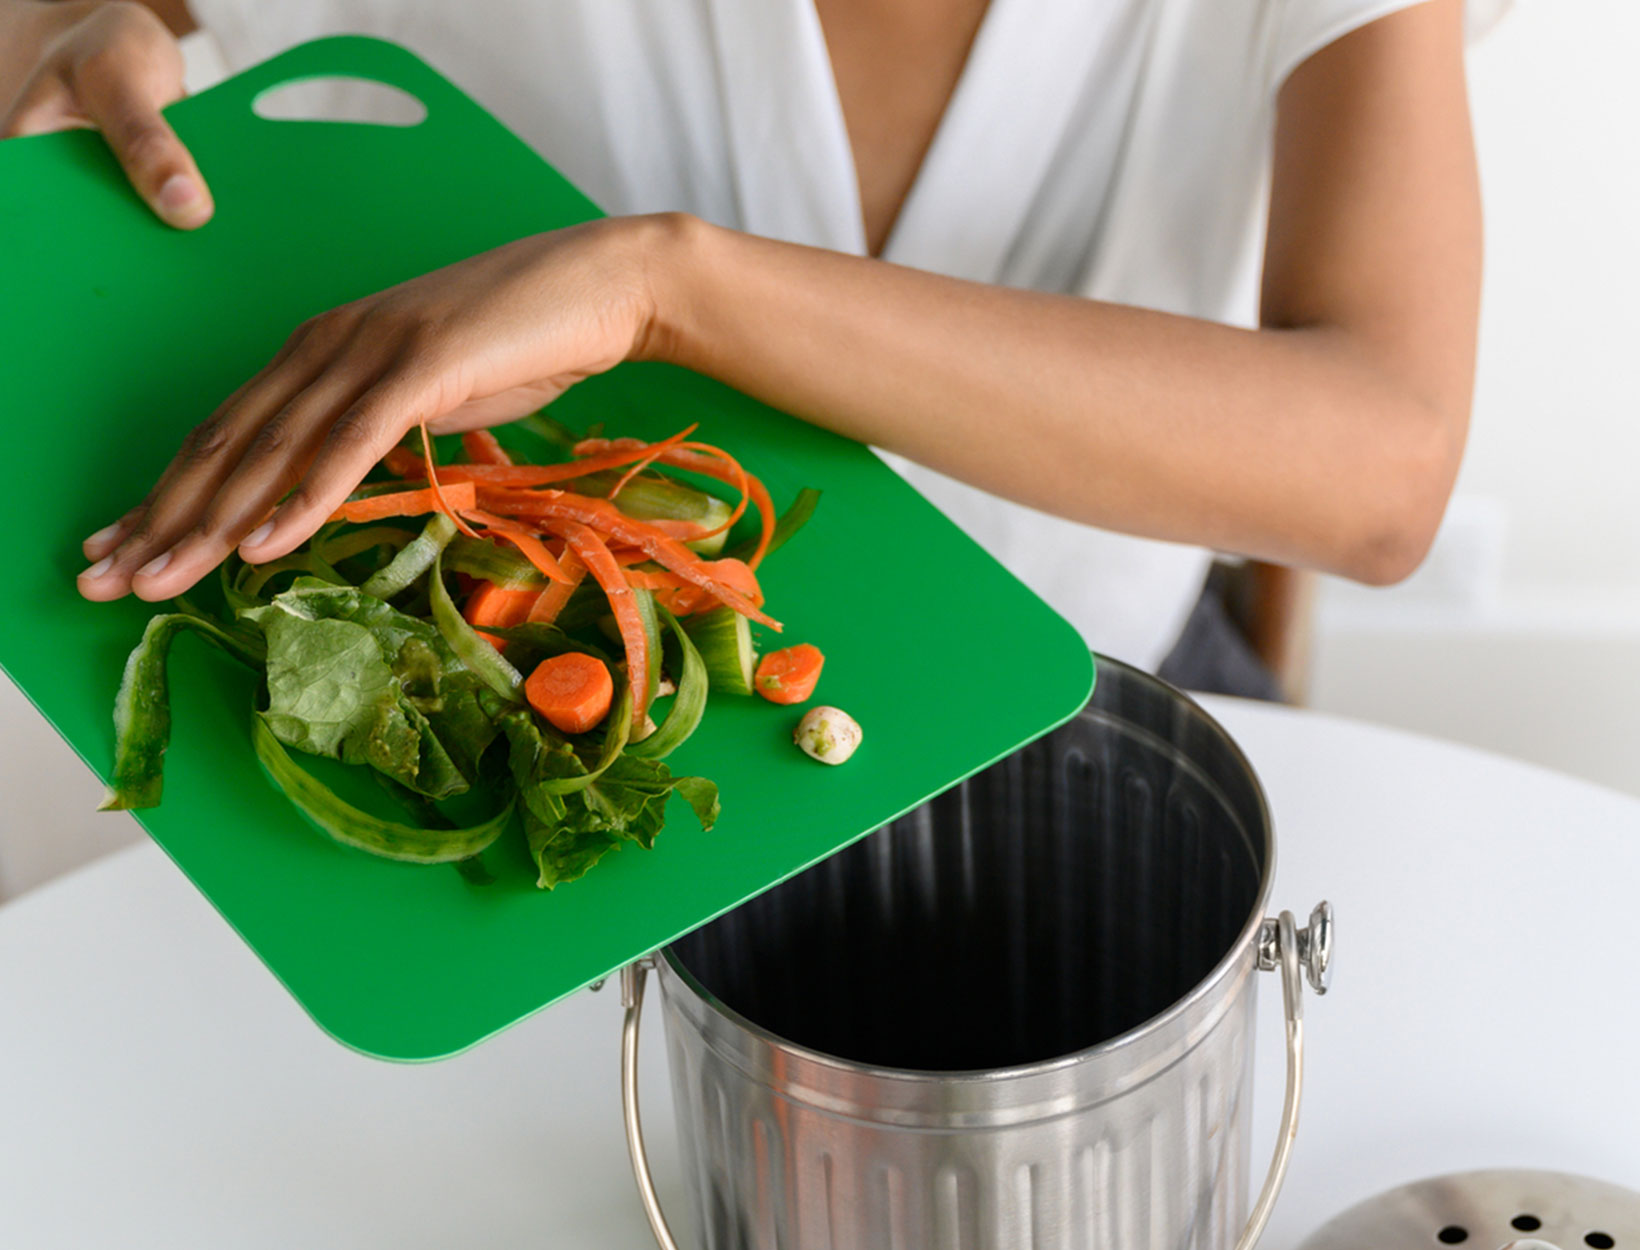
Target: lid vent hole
x=1598, y=1241
x=1527, y=1223
x=1452, y=1234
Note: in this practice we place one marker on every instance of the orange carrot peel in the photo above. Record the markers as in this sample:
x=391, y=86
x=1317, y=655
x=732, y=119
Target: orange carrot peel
x=713, y=462
x=551, y=601
x=592, y=551
x=528, y=475
x=549, y=507
x=437, y=488
x=525, y=539
x=407, y=503
x=482, y=447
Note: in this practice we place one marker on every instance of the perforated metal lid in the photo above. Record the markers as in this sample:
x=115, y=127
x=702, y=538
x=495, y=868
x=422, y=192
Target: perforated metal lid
x=1493, y=1210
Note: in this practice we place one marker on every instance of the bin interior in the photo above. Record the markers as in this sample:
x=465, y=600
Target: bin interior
x=1056, y=900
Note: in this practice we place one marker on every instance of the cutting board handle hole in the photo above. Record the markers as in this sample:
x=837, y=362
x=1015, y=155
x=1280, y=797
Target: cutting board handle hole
x=336, y=98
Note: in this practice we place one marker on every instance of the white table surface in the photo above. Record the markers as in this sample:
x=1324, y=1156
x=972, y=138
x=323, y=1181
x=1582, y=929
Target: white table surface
x=159, y=1089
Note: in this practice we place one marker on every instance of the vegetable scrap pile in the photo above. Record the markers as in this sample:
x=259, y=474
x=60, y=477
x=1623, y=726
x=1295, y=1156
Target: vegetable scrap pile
x=590, y=591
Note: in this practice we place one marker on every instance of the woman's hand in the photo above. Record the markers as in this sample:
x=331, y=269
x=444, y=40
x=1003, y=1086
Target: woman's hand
x=71, y=65
x=483, y=341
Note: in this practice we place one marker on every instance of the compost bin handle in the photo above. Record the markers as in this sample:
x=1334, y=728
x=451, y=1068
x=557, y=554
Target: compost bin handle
x=1282, y=945
x=632, y=982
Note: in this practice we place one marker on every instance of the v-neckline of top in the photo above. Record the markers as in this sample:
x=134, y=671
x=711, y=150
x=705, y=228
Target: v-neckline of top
x=838, y=119
x=793, y=166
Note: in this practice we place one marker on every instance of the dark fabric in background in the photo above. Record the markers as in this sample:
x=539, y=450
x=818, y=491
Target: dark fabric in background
x=1213, y=656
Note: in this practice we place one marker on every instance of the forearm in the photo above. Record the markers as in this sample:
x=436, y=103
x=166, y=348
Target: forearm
x=1290, y=445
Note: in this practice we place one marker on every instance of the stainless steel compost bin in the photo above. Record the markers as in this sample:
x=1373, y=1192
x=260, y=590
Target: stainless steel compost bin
x=1019, y=1017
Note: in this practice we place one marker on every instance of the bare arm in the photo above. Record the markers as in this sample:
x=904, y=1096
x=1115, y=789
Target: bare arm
x=1330, y=438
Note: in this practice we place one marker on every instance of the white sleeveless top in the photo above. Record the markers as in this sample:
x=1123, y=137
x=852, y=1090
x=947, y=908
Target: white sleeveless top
x=1116, y=149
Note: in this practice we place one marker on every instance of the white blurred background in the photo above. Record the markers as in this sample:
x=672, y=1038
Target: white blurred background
x=1522, y=632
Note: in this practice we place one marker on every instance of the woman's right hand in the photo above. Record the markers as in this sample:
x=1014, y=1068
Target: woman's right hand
x=112, y=66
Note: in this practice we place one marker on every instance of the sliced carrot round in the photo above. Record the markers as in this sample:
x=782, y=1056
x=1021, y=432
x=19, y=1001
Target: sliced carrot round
x=790, y=674
x=591, y=550
x=574, y=691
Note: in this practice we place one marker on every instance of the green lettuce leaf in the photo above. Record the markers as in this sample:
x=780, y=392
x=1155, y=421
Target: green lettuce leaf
x=351, y=678
x=574, y=815
x=630, y=800
x=565, y=855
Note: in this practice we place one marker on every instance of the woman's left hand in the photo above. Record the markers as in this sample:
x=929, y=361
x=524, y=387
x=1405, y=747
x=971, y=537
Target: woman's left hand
x=480, y=342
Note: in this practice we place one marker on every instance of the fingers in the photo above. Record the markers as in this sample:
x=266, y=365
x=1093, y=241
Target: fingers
x=103, y=542
x=257, y=394
x=161, y=169
x=272, y=463
x=352, y=445
x=338, y=408
x=207, y=458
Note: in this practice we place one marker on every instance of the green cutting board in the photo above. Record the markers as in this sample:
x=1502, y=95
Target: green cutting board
x=117, y=334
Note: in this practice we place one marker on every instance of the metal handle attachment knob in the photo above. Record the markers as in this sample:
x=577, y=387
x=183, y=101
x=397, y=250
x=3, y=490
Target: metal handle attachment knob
x=1315, y=946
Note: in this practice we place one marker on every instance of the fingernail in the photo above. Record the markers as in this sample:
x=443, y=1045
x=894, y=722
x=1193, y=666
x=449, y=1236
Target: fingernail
x=177, y=193
x=98, y=569
x=259, y=535
x=156, y=566
x=104, y=534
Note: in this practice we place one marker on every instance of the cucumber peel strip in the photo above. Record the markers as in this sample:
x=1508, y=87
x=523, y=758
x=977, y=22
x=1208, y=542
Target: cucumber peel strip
x=724, y=639
x=142, y=711
x=241, y=640
x=478, y=558
x=649, y=614
x=414, y=559
x=791, y=520
x=615, y=741
x=478, y=655
x=688, y=705
x=342, y=546
x=253, y=577
x=549, y=429
x=354, y=827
